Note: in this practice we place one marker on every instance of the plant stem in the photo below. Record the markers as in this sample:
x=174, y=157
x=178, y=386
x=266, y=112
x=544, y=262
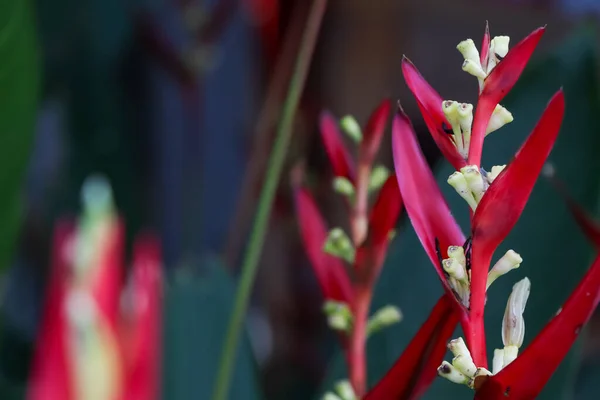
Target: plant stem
x=358, y=341
x=257, y=236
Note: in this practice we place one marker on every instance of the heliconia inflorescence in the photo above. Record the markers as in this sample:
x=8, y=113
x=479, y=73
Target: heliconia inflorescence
x=496, y=197
x=100, y=336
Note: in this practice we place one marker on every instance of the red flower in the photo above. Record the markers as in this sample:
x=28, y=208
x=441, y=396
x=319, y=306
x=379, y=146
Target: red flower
x=84, y=298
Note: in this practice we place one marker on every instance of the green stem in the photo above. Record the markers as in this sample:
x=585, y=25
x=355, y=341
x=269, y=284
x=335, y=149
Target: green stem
x=265, y=202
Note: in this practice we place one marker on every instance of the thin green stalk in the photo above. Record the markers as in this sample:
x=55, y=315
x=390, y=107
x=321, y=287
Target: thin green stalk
x=265, y=202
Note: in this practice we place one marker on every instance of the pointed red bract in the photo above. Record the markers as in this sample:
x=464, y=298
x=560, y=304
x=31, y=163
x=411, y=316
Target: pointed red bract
x=385, y=212
x=142, y=380
x=341, y=162
x=373, y=133
x=502, y=206
x=485, y=46
x=430, y=105
x=525, y=377
x=424, y=203
x=330, y=271
x=497, y=85
x=51, y=377
x=416, y=368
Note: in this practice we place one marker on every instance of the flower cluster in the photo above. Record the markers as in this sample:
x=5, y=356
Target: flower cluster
x=496, y=198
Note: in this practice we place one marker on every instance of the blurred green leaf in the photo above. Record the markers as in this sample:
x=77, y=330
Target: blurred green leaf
x=19, y=82
x=196, y=316
x=554, y=251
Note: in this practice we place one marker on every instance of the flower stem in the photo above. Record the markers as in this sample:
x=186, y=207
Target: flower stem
x=358, y=341
x=257, y=236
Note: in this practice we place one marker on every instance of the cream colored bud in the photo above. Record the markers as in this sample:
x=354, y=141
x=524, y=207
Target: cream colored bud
x=458, y=253
x=450, y=109
x=345, y=391
x=331, y=396
x=510, y=354
x=499, y=45
x=448, y=371
x=339, y=322
x=339, y=244
x=513, y=324
x=465, y=365
x=468, y=50
x=500, y=117
x=498, y=361
x=458, y=347
x=509, y=261
x=455, y=269
x=474, y=181
x=493, y=174
x=351, y=127
x=386, y=316
x=459, y=183
x=474, y=69
x=465, y=116
x=342, y=185
x=378, y=177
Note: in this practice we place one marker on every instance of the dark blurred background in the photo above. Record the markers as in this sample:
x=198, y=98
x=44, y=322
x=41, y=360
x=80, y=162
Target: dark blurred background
x=176, y=102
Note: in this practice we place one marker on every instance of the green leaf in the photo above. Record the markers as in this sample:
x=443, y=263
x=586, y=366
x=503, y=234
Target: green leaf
x=19, y=83
x=196, y=312
x=554, y=251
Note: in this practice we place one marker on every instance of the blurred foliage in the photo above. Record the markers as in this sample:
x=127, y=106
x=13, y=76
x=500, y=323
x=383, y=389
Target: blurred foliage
x=19, y=82
x=554, y=251
x=196, y=312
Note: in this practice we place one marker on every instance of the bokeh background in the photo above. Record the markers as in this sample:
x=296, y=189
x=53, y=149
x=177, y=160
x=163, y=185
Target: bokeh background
x=176, y=102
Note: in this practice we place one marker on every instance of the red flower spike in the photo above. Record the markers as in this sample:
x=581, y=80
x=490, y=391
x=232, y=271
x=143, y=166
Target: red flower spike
x=424, y=203
x=51, y=378
x=416, y=368
x=143, y=360
x=340, y=159
x=485, y=45
x=329, y=270
x=497, y=85
x=525, y=377
x=374, y=133
x=502, y=206
x=430, y=104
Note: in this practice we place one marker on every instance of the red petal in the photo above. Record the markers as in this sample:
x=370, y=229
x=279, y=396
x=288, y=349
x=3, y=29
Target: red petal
x=485, y=45
x=374, y=132
x=339, y=157
x=143, y=357
x=525, y=377
x=330, y=271
x=426, y=208
x=505, y=200
x=385, y=212
x=497, y=85
x=51, y=376
x=430, y=104
x=416, y=368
